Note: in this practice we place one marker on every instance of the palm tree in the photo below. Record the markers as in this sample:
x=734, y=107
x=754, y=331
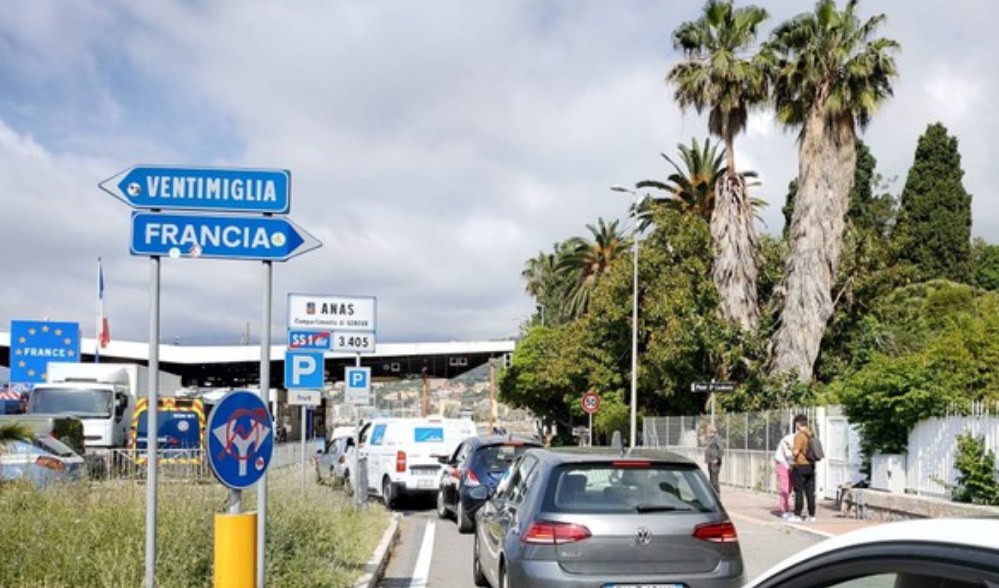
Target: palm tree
x=690, y=189
x=828, y=75
x=717, y=75
x=586, y=262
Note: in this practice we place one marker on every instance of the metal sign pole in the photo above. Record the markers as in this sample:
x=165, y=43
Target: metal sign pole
x=591, y=429
x=302, y=409
x=360, y=494
x=265, y=389
x=152, y=430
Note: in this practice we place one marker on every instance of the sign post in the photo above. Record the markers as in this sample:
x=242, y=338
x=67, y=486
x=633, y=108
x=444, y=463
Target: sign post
x=240, y=448
x=357, y=392
x=591, y=404
x=710, y=388
x=257, y=194
x=303, y=370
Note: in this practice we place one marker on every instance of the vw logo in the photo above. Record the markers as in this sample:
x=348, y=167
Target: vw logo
x=643, y=536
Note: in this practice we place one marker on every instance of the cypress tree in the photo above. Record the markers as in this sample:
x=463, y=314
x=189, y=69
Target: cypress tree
x=934, y=222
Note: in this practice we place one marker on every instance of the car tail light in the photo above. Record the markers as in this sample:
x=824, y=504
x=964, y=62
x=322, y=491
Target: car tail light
x=549, y=533
x=723, y=532
x=471, y=479
x=400, y=461
x=631, y=464
x=50, y=463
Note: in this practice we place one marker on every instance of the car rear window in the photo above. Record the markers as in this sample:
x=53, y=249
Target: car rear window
x=628, y=487
x=498, y=457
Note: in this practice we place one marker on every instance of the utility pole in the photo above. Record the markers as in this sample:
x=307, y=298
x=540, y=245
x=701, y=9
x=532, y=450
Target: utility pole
x=492, y=394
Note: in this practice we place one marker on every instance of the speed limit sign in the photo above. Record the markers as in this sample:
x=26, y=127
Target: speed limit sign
x=590, y=402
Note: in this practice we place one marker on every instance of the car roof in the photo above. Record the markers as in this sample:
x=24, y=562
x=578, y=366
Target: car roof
x=562, y=455
x=498, y=439
x=961, y=532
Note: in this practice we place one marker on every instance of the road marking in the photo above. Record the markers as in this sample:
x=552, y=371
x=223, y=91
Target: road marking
x=421, y=572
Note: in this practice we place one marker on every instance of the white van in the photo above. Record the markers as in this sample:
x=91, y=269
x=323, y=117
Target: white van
x=403, y=454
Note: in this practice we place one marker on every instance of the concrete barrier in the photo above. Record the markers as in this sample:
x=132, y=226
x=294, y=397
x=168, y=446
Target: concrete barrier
x=885, y=506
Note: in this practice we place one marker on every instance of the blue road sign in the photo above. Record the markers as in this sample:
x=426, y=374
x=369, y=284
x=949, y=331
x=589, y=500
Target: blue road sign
x=358, y=389
x=33, y=344
x=202, y=188
x=303, y=369
x=218, y=236
x=309, y=340
x=240, y=439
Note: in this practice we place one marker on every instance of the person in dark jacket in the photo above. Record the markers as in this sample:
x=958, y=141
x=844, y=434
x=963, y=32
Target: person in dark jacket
x=802, y=471
x=713, y=458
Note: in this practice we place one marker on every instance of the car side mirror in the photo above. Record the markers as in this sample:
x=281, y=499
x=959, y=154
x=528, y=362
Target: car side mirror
x=120, y=405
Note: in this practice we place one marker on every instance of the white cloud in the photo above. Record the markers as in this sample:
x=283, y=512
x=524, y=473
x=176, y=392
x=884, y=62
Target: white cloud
x=434, y=146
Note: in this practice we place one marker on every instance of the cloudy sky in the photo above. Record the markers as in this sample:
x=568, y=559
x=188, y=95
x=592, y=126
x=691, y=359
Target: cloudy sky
x=434, y=146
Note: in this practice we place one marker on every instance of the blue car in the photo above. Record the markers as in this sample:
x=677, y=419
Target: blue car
x=42, y=461
x=472, y=472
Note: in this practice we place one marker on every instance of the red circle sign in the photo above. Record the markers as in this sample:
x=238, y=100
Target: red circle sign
x=590, y=402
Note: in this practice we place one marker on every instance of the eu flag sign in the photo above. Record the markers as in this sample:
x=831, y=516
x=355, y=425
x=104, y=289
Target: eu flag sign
x=33, y=344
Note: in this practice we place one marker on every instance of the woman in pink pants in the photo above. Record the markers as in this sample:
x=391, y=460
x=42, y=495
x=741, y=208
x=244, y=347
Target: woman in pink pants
x=782, y=462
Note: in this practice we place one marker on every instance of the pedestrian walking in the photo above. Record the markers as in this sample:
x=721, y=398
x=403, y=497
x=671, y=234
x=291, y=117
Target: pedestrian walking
x=783, y=457
x=713, y=458
x=803, y=470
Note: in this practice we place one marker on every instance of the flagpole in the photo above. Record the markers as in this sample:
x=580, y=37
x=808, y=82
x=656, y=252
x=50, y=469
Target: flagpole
x=100, y=319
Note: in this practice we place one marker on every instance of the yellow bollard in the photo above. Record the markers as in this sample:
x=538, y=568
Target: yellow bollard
x=236, y=550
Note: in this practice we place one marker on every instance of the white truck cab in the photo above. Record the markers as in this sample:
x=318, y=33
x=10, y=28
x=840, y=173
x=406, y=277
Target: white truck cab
x=102, y=395
x=403, y=454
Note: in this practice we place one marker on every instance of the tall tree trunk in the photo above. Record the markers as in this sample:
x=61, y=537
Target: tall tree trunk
x=826, y=159
x=734, y=237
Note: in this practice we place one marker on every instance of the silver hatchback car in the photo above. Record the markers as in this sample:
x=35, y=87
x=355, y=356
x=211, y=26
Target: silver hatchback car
x=591, y=518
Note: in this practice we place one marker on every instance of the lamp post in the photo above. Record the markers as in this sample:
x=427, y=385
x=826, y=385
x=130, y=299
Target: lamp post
x=634, y=311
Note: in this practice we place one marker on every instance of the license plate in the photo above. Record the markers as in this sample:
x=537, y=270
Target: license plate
x=424, y=483
x=644, y=586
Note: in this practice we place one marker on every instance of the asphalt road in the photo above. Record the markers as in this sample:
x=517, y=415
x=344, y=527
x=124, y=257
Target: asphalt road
x=431, y=553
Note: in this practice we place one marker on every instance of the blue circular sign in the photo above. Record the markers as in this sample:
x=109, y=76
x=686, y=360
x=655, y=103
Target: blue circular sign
x=240, y=439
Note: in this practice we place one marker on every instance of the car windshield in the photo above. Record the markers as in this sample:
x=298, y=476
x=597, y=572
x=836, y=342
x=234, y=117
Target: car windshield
x=628, y=487
x=494, y=458
x=74, y=401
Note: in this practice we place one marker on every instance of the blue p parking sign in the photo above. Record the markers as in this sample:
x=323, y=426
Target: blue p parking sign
x=240, y=439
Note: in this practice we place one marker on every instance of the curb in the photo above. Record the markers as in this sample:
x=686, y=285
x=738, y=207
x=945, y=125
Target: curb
x=376, y=565
x=803, y=529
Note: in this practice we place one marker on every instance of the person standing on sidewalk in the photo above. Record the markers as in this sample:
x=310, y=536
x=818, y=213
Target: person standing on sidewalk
x=713, y=458
x=802, y=471
x=783, y=457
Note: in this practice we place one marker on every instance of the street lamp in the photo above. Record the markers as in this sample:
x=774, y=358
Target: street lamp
x=634, y=310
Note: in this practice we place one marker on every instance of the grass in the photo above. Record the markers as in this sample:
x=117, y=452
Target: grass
x=94, y=535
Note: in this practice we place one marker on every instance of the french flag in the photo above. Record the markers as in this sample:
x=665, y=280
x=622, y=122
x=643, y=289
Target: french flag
x=103, y=328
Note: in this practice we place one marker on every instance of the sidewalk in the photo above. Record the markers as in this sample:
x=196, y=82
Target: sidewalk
x=746, y=505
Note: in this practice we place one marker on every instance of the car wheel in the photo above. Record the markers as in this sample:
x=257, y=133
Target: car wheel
x=387, y=493
x=441, y=507
x=348, y=486
x=504, y=578
x=477, y=575
x=465, y=523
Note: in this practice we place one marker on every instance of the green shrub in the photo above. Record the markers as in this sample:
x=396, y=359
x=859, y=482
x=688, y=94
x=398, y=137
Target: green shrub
x=976, y=482
x=93, y=535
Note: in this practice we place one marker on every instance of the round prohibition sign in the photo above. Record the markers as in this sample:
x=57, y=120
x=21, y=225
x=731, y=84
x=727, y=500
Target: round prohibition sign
x=590, y=402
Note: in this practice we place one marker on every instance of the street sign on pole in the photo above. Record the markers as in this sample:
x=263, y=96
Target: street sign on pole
x=712, y=386
x=299, y=397
x=309, y=340
x=240, y=439
x=590, y=402
x=303, y=369
x=33, y=344
x=358, y=385
x=218, y=236
x=165, y=187
x=340, y=314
